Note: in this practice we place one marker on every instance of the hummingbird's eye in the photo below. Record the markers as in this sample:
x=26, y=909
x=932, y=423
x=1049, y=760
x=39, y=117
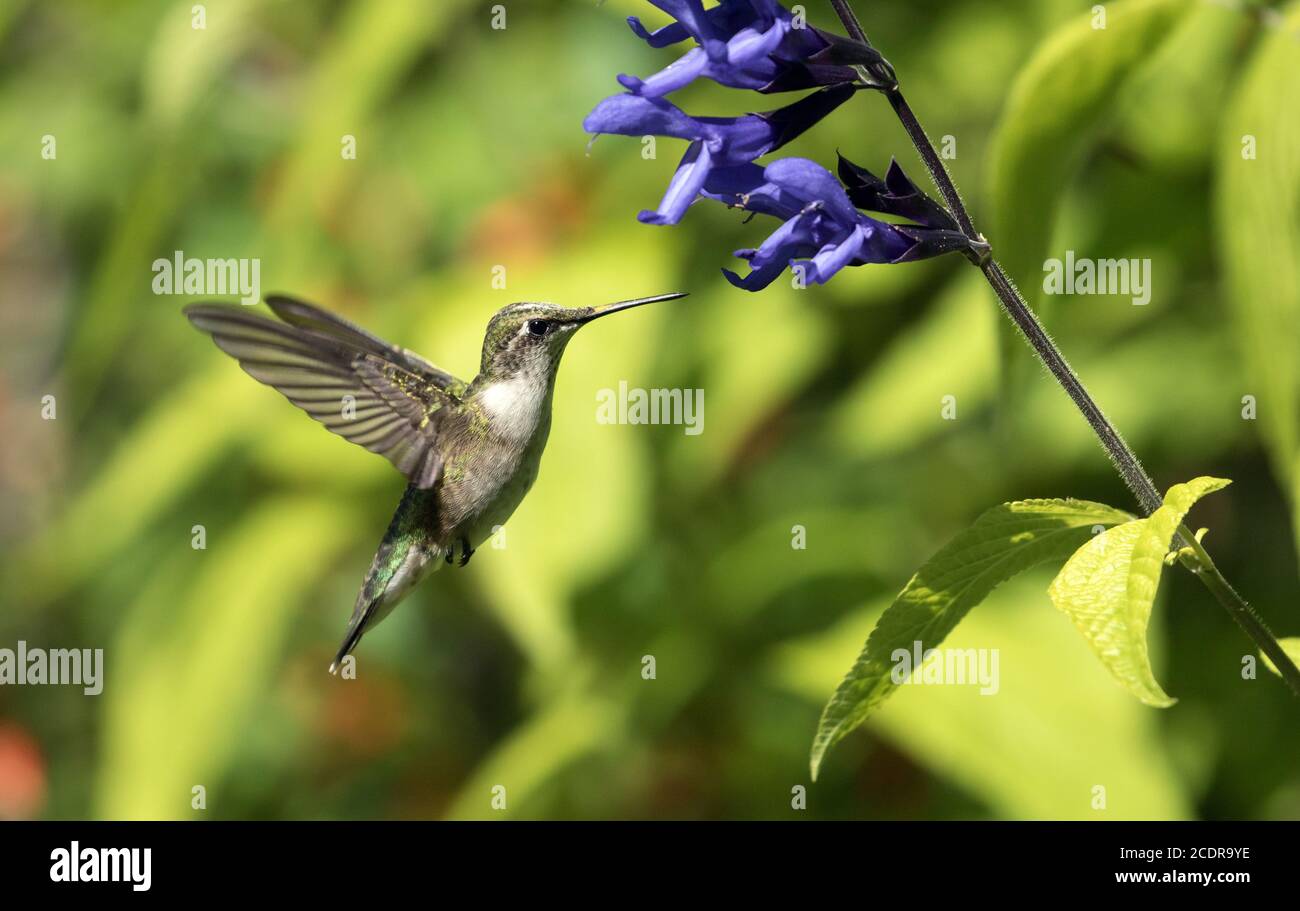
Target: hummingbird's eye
x=538, y=327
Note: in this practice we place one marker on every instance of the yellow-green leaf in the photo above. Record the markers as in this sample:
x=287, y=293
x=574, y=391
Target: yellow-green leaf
x=1109, y=586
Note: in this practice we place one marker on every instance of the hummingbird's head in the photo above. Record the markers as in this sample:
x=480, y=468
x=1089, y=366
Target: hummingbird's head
x=530, y=338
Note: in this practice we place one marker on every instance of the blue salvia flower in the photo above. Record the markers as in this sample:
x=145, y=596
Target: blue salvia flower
x=759, y=45
x=822, y=230
x=750, y=44
x=716, y=142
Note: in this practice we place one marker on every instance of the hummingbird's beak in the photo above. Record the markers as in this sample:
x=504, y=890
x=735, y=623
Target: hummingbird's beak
x=597, y=312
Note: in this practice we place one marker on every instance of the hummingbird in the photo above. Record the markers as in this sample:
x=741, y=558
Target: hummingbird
x=469, y=451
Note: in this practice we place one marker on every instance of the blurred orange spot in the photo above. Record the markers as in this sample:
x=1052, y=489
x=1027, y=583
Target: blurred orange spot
x=22, y=774
x=525, y=227
x=366, y=717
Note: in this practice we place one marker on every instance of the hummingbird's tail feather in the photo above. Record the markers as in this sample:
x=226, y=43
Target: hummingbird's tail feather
x=350, y=640
x=405, y=556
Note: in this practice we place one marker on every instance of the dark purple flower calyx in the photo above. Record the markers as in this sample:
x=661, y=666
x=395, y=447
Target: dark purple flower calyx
x=897, y=195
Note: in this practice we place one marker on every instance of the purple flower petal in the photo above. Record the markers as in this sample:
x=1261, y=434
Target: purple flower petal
x=750, y=44
x=728, y=142
x=634, y=115
x=745, y=187
x=756, y=280
x=805, y=179
x=786, y=242
x=670, y=34
x=683, y=71
x=821, y=232
x=834, y=257
x=683, y=189
x=690, y=13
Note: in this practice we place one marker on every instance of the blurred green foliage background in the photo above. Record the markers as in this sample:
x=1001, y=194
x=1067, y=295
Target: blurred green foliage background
x=822, y=410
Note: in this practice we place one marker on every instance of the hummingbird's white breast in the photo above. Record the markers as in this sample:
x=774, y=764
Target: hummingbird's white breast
x=499, y=469
x=516, y=406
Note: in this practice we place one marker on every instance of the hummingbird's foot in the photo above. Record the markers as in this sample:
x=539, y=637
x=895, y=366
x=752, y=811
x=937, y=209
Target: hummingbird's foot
x=465, y=553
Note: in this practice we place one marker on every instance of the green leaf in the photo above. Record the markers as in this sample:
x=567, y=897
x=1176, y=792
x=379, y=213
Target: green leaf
x=1108, y=587
x=1036, y=748
x=1259, y=233
x=1056, y=105
x=1004, y=541
x=1291, y=646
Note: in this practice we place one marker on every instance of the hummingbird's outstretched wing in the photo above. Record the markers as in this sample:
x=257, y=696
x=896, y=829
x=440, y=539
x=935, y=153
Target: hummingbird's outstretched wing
x=377, y=395
x=308, y=316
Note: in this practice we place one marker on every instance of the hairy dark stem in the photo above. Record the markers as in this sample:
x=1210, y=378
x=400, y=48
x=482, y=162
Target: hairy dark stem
x=850, y=20
x=933, y=163
x=1124, y=459
x=1196, y=559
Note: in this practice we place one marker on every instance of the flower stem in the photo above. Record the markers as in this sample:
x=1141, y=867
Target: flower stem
x=1202, y=566
x=933, y=163
x=1125, y=460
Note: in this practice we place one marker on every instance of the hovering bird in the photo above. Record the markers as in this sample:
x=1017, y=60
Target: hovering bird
x=470, y=451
